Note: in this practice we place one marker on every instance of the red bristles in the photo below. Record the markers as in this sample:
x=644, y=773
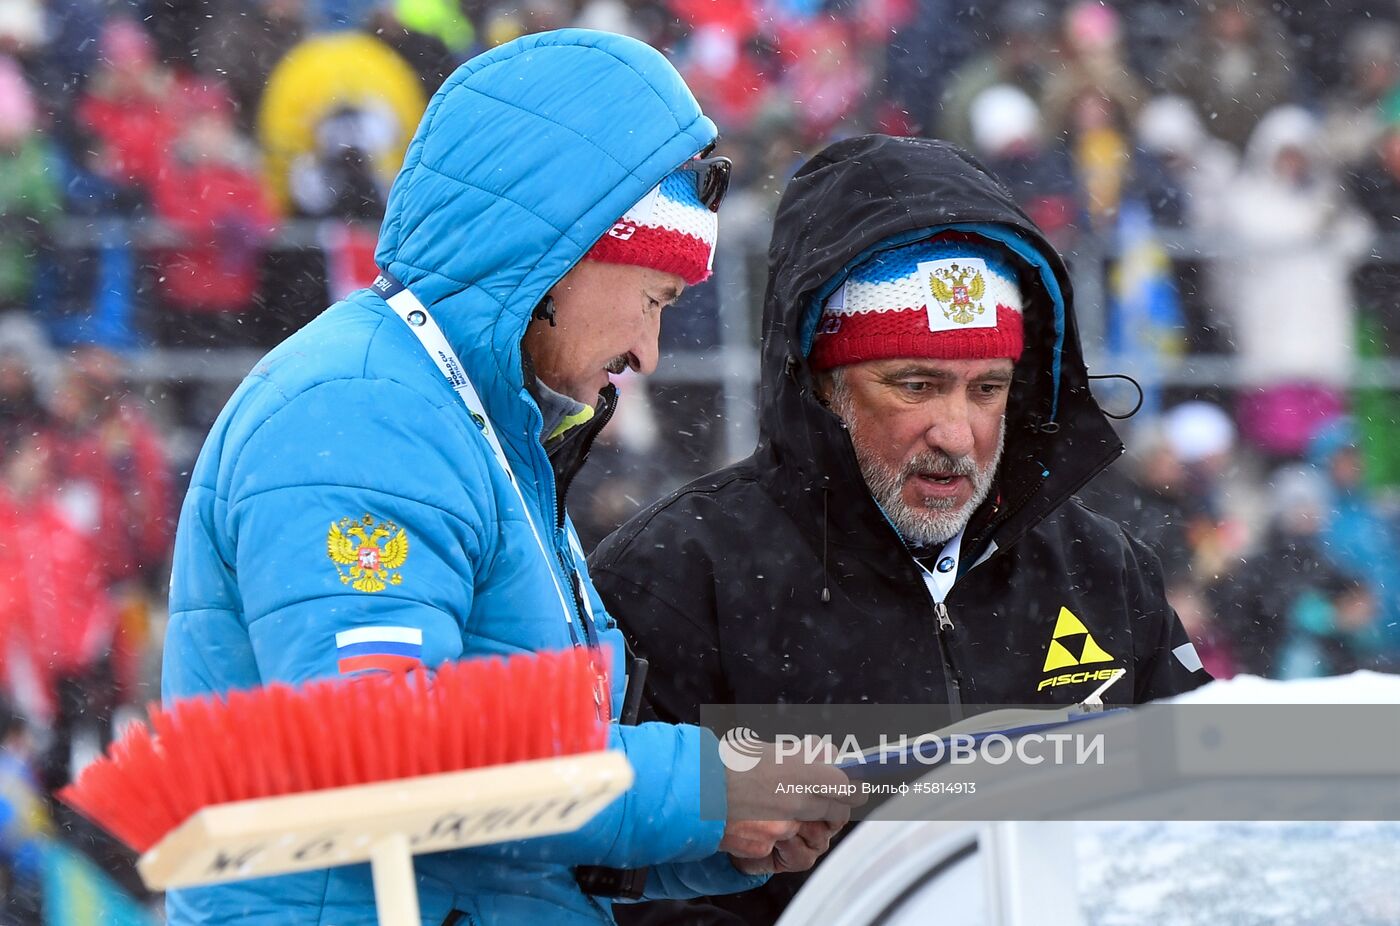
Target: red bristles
x=331, y=733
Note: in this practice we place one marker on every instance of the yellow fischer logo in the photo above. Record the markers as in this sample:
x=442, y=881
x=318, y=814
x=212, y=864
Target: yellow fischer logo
x=1072, y=645
x=361, y=546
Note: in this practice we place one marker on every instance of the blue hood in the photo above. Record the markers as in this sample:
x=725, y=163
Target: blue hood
x=515, y=172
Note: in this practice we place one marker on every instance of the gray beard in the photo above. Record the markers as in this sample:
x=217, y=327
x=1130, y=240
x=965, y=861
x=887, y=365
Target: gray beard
x=938, y=520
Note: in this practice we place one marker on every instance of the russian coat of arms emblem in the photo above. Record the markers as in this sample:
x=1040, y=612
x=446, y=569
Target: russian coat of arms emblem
x=959, y=290
x=370, y=550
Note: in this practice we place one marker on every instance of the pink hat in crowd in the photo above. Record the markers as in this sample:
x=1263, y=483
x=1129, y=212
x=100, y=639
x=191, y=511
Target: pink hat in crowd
x=125, y=44
x=17, y=112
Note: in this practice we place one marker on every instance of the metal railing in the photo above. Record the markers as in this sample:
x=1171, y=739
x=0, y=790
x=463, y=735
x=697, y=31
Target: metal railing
x=733, y=362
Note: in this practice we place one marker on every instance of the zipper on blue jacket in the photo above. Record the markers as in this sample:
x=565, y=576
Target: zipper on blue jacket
x=569, y=576
x=558, y=508
x=580, y=612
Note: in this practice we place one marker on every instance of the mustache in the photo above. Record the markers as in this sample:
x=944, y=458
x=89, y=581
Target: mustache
x=937, y=461
x=619, y=364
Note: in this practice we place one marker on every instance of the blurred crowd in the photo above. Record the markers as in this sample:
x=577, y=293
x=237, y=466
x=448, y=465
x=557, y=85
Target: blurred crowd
x=1227, y=172
x=1288, y=574
x=86, y=523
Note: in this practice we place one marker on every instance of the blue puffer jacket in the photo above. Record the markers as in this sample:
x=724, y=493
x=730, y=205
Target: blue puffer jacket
x=525, y=157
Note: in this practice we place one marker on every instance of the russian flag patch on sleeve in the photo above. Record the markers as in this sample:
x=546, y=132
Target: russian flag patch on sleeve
x=382, y=649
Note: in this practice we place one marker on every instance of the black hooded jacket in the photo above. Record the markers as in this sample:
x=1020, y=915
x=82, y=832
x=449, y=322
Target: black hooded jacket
x=778, y=579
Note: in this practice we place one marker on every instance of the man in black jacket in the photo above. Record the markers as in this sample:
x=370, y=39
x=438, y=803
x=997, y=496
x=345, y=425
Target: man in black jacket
x=904, y=532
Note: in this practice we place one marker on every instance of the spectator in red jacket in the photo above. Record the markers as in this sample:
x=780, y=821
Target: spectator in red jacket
x=110, y=458
x=212, y=194
x=58, y=621
x=127, y=108
x=112, y=472
x=826, y=72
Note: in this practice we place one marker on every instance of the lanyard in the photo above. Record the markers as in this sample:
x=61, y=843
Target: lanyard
x=425, y=328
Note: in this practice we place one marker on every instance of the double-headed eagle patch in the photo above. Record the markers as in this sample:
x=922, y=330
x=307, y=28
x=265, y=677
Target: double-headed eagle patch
x=959, y=290
x=361, y=546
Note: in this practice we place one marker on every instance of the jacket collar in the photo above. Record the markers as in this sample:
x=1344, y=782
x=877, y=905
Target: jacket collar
x=561, y=414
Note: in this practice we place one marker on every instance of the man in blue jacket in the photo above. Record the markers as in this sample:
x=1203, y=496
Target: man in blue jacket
x=438, y=417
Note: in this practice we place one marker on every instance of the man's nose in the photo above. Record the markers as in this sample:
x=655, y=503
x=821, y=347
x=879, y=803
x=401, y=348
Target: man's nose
x=646, y=351
x=951, y=428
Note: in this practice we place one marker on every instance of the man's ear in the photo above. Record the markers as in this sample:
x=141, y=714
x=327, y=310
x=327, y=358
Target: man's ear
x=822, y=383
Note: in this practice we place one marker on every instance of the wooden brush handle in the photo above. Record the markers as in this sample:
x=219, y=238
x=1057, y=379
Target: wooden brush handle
x=395, y=888
x=341, y=826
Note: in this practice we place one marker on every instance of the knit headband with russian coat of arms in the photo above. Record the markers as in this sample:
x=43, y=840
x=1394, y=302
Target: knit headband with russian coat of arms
x=950, y=297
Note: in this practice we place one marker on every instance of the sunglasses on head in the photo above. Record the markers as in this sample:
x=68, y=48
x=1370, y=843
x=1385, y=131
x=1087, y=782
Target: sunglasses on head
x=711, y=178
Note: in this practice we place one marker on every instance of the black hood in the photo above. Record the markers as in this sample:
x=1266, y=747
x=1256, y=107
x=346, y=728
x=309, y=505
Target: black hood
x=869, y=193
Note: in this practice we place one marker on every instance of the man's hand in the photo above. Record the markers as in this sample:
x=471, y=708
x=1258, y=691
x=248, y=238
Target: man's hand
x=782, y=816
x=798, y=853
x=756, y=839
